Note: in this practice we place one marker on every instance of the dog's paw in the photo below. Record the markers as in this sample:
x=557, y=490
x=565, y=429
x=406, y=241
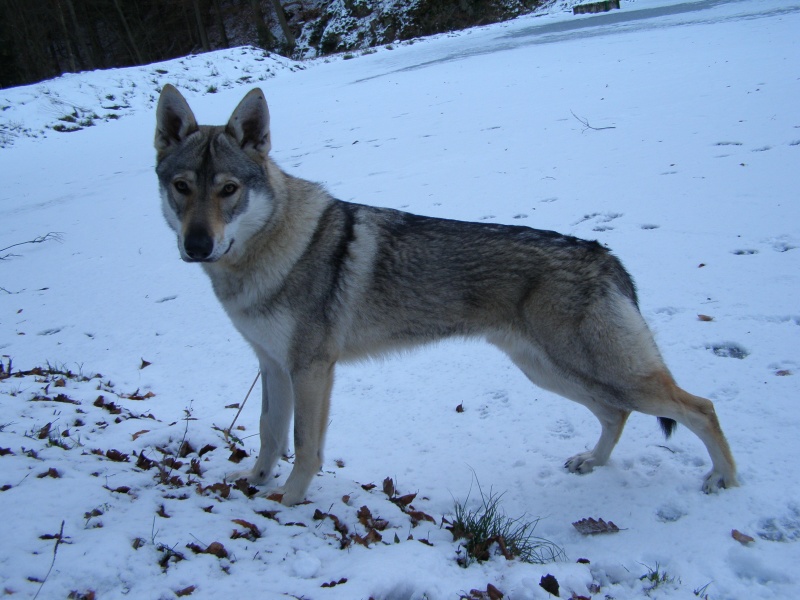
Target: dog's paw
x=581, y=463
x=716, y=481
x=253, y=476
x=291, y=496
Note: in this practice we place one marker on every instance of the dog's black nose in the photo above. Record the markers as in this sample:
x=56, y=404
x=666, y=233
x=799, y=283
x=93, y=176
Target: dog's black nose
x=198, y=244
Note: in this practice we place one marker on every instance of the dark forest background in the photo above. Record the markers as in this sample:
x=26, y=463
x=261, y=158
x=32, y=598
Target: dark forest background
x=40, y=39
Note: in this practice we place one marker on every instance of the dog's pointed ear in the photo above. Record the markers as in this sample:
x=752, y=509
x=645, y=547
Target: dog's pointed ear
x=174, y=119
x=249, y=123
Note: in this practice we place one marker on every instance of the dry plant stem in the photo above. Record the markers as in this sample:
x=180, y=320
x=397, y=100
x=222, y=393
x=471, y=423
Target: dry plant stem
x=52, y=235
x=241, y=406
x=53, y=562
x=585, y=123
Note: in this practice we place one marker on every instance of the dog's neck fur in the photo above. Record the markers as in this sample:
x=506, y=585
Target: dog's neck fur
x=283, y=237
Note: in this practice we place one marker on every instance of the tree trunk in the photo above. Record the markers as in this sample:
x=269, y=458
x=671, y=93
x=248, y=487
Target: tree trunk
x=201, y=28
x=76, y=29
x=73, y=65
x=221, y=25
x=134, y=48
x=287, y=33
x=265, y=38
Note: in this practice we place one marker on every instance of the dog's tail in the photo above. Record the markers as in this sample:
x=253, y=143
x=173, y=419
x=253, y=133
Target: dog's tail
x=667, y=426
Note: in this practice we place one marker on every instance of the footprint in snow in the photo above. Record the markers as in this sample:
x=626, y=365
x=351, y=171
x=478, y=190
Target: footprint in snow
x=781, y=529
x=602, y=220
x=728, y=350
x=781, y=245
x=51, y=331
x=669, y=513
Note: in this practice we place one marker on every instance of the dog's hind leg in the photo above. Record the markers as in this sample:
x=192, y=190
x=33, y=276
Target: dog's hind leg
x=612, y=420
x=544, y=374
x=276, y=414
x=662, y=397
x=312, y=393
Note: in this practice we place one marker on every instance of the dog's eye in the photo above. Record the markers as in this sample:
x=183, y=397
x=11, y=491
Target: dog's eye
x=181, y=187
x=229, y=189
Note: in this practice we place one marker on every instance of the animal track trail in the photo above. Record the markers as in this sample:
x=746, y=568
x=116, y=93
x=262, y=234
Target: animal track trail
x=728, y=350
x=601, y=220
x=781, y=244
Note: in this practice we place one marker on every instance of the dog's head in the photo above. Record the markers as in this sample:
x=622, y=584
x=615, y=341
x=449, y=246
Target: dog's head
x=213, y=180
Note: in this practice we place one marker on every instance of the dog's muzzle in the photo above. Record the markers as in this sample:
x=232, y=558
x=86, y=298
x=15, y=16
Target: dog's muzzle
x=198, y=245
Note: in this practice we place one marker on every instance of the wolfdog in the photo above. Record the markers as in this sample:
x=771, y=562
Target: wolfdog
x=309, y=280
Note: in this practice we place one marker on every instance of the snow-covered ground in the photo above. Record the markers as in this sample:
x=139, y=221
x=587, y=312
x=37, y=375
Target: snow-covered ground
x=670, y=134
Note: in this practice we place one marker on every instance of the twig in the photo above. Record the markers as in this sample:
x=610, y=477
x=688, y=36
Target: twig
x=585, y=123
x=59, y=539
x=241, y=406
x=53, y=235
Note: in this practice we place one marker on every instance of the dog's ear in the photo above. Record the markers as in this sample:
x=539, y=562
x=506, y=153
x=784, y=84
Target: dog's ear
x=174, y=119
x=249, y=124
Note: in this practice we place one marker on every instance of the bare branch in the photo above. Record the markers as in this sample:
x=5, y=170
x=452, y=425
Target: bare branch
x=59, y=540
x=53, y=235
x=585, y=123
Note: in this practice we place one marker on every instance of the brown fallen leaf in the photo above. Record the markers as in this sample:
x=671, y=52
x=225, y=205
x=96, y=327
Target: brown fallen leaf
x=237, y=455
x=138, y=434
x=594, y=527
x=187, y=591
x=217, y=549
x=493, y=592
x=116, y=455
x=550, y=584
x=705, y=318
x=51, y=472
x=742, y=538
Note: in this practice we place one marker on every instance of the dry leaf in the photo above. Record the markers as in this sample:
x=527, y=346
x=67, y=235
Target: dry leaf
x=705, y=318
x=493, y=593
x=237, y=455
x=187, y=591
x=550, y=584
x=136, y=435
x=217, y=550
x=51, y=472
x=593, y=527
x=742, y=538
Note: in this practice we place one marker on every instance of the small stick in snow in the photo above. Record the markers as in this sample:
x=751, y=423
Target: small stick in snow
x=59, y=540
x=241, y=406
x=53, y=235
x=585, y=123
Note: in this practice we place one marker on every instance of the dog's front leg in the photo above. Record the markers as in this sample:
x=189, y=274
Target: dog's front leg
x=277, y=399
x=312, y=393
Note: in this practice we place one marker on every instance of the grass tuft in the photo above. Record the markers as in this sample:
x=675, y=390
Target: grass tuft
x=488, y=530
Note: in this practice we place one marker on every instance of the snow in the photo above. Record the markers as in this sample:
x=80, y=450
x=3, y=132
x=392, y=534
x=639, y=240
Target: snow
x=688, y=172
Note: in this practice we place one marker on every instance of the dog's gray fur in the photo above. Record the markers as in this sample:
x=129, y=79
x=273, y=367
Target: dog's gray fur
x=309, y=280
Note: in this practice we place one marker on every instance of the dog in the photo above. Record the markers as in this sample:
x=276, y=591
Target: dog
x=309, y=281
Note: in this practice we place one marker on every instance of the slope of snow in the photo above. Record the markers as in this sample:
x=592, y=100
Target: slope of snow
x=671, y=135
